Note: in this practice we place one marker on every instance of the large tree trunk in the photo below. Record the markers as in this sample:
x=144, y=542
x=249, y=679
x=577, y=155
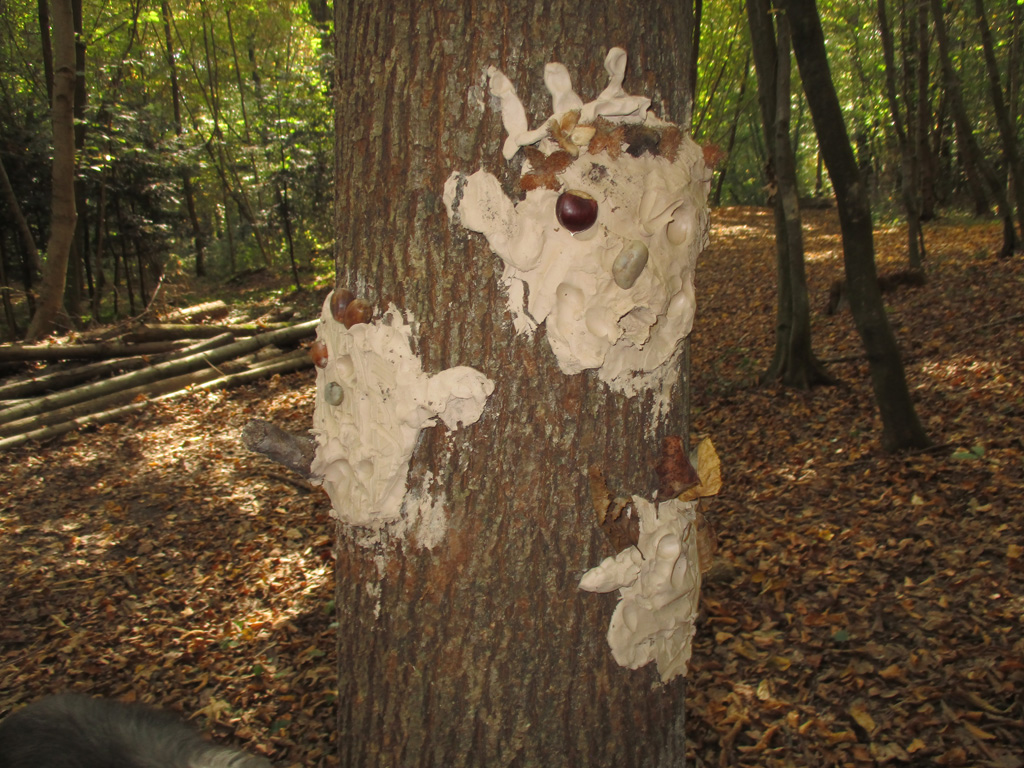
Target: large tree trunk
x=63, y=217
x=482, y=651
x=900, y=425
x=794, y=362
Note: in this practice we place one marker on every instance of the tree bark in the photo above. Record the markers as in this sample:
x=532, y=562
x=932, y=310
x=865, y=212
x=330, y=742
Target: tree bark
x=482, y=651
x=794, y=362
x=900, y=425
x=63, y=216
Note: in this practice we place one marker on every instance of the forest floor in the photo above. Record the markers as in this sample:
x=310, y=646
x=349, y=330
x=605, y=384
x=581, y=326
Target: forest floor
x=865, y=609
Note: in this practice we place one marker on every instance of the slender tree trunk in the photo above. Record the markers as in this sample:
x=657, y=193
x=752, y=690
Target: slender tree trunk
x=43, y=14
x=186, y=177
x=692, y=65
x=794, y=363
x=482, y=651
x=968, y=149
x=909, y=164
x=733, y=128
x=101, y=278
x=801, y=368
x=79, y=270
x=1007, y=127
x=286, y=219
x=62, y=227
x=900, y=425
x=28, y=241
x=927, y=157
x=5, y=291
x=970, y=152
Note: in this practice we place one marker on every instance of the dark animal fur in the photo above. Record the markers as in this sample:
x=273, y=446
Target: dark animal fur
x=72, y=731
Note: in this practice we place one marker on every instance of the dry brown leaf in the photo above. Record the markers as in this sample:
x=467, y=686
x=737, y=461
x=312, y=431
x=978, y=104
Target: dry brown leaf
x=709, y=472
x=675, y=472
x=862, y=717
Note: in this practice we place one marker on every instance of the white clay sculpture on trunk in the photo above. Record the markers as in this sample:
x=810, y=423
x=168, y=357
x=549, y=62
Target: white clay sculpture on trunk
x=617, y=294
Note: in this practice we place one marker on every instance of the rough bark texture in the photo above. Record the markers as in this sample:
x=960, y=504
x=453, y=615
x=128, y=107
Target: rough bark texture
x=482, y=651
x=900, y=425
x=63, y=217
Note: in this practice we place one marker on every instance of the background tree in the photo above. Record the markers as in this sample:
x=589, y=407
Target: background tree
x=794, y=362
x=975, y=163
x=906, y=129
x=62, y=227
x=483, y=651
x=900, y=425
x=1007, y=125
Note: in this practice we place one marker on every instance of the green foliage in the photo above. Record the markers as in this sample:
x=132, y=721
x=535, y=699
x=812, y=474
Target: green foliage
x=855, y=55
x=254, y=139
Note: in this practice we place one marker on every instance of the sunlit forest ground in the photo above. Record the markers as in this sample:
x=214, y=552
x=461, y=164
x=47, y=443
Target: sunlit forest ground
x=864, y=609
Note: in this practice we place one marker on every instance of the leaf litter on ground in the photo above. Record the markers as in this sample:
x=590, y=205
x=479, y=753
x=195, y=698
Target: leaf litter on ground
x=863, y=609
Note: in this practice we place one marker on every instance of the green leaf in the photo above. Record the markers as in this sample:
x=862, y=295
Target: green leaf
x=977, y=452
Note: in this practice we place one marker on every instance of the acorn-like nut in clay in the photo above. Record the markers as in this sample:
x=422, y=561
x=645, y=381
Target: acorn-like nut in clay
x=629, y=264
x=340, y=300
x=358, y=311
x=576, y=210
x=318, y=353
x=334, y=394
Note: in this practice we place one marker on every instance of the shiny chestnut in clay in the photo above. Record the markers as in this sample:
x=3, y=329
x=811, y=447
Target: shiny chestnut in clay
x=318, y=354
x=340, y=300
x=358, y=311
x=576, y=210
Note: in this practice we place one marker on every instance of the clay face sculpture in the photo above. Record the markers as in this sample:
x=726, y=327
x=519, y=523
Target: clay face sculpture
x=605, y=241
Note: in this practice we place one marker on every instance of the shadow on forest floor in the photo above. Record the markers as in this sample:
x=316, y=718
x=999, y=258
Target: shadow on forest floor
x=864, y=608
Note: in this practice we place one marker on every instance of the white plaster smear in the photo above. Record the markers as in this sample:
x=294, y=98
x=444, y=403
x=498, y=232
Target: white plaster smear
x=364, y=444
x=632, y=337
x=659, y=587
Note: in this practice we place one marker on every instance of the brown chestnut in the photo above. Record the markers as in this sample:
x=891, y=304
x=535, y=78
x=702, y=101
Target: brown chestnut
x=576, y=210
x=358, y=311
x=340, y=300
x=318, y=353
